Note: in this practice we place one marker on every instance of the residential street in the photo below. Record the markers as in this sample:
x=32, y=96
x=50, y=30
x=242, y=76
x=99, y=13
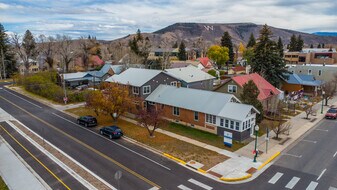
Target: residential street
x=300, y=168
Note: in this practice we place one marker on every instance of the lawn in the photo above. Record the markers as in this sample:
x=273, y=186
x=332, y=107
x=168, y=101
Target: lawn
x=202, y=136
x=180, y=149
x=3, y=186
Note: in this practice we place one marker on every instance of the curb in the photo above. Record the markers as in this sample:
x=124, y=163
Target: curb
x=174, y=158
x=269, y=160
x=236, y=179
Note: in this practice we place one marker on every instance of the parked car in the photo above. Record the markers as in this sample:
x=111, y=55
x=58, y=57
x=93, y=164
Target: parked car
x=81, y=87
x=111, y=131
x=331, y=113
x=87, y=120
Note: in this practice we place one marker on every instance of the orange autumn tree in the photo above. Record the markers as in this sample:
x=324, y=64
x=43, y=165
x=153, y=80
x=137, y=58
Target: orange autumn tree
x=112, y=98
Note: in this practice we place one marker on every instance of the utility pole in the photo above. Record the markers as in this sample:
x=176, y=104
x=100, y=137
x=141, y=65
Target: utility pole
x=65, y=99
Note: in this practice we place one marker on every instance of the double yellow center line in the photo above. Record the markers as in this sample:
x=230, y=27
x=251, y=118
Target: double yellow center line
x=86, y=145
x=45, y=167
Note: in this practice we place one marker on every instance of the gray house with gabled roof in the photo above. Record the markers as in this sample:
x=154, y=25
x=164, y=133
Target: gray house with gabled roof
x=142, y=82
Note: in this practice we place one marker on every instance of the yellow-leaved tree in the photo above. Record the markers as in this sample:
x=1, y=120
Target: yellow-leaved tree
x=218, y=54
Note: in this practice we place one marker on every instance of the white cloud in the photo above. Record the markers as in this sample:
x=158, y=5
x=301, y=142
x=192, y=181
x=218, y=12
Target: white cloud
x=113, y=20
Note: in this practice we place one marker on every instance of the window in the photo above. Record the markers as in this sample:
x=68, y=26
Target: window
x=232, y=124
x=152, y=103
x=232, y=88
x=249, y=123
x=174, y=83
x=221, y=122
x=210, y=119
x=319, y=72
x=309, y=72
x=147, y=89
x=196, y=116
x=237, y=126
x=244, y=125
x=176, y=111
x=226, y=123
x=135, y=90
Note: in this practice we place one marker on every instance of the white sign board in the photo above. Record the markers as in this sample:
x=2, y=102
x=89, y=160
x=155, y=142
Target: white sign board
x=228, y=138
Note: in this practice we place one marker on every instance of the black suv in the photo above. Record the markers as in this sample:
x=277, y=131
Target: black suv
x=87, y=121
x=111, y=131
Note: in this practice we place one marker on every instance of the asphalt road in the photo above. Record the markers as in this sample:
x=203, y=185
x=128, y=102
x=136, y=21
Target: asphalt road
x=143, y=169
x=50, y=172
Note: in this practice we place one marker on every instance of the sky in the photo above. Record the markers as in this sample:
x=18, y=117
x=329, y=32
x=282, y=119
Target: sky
x=112, y=19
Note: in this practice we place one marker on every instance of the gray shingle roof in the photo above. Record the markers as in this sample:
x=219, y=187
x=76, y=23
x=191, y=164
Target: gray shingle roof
x=209, y=102
x=189, y=74
x=134, y=76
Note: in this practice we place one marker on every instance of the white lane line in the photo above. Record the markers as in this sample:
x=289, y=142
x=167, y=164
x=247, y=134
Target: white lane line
x=320, y=175
x=154, y=188
x=335, y=154
x=23, y=99
x=309, y=141
x=292, y=182
x=332, y=188
x=113, y=142
x=195, y=182
x=293, y=155
x=312, y=186
x=325, y=130
x=183, y=187
x=275, y=178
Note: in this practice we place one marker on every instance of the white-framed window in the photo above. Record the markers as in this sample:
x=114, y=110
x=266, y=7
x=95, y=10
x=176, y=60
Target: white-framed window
x=221, y=122
x=226, y=123
x=232, y=125
x=232, y=88
x=174, y=83
x=196, y=116
x=237, y=126
x=135, y=90
x=249, y=123
x=147, y=89
x=319, y=72
x=210, y=119
x=309, y=72
x=176, y=111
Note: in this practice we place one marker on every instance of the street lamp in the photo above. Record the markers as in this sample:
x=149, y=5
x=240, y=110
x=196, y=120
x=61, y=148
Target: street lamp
x=323, y=93
x=256, y=128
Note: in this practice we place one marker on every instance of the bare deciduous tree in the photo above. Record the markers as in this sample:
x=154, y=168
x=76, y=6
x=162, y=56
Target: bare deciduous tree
x=330, y=90
x=47, y=49
x=25, y=48
x=65, y=50
x=309, y=110
x=151, y=119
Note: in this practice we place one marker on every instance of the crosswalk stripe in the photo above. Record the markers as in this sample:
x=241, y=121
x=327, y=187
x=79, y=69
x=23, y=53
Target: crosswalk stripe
x=275, y=178
x=312, y=186
x=183, y=187
x=200, y=184
x=292, y=182
x=154, y=188
x=332, y=188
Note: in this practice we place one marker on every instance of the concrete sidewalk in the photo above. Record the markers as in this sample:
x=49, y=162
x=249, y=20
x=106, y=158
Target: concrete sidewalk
x=16, y=173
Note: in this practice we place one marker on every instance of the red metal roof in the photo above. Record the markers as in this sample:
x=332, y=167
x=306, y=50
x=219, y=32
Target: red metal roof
x=205, y=62
x=239, y=68
x=266, y=89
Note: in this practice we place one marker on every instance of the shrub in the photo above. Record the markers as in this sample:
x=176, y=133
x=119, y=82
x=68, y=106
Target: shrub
x=212, y=72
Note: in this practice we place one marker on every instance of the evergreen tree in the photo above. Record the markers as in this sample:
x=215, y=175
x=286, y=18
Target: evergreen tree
x=251, y=41
x=182, y=52
x=319, y=46
x=280, y=46
x=293, y=43
x=266, y=60
x=249, y=95
x=140, y=46
x=311, y=46
x=299, y=43
x=323, y=45
x=6, y=54
x=226, y=41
